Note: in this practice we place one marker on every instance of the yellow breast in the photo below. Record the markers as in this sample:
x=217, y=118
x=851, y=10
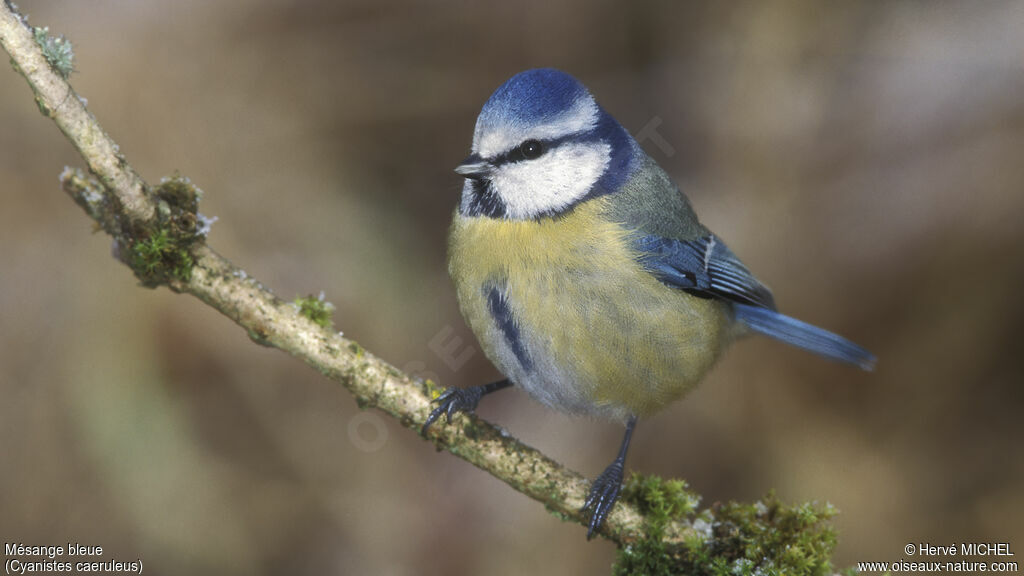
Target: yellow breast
x=605, y=336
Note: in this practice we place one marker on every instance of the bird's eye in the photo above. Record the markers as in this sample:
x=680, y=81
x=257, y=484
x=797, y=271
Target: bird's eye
x=531, y=149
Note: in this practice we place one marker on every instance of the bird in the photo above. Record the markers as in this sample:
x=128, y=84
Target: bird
x=585, y=274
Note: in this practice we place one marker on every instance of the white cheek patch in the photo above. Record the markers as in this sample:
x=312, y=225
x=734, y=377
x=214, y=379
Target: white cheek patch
x=581, y=117
x=552, y=182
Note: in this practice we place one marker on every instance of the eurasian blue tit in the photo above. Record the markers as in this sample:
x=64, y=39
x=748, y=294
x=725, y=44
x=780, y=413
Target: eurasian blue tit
x=585, y=274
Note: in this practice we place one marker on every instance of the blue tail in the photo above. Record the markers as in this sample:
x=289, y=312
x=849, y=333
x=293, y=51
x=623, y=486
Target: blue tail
x=803, y=335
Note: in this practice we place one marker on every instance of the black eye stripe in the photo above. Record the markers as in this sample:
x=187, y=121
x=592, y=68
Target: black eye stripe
x=516, y=154
x=547, y=144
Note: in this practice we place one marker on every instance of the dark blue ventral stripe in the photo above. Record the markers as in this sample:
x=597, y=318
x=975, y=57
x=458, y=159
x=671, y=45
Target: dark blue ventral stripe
x=498, y=308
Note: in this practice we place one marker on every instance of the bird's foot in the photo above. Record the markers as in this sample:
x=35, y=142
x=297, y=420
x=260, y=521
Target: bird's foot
x=452, y=401
x=604, y=492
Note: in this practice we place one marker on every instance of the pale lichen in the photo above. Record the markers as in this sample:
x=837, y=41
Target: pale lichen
x=57, y=50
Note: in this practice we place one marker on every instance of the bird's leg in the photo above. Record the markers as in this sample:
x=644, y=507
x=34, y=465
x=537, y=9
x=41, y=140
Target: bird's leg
x=604, y=492
x=455, y=400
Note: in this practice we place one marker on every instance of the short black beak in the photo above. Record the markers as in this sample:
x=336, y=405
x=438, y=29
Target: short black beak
x=474, y=167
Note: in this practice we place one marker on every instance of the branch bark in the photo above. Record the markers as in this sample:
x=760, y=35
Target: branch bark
x=123, y=204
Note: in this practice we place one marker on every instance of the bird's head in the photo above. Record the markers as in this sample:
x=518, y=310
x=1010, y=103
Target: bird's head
x=541, y=146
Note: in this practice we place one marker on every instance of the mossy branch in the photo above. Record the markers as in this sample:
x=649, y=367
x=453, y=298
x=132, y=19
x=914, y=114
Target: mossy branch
x=158, y=232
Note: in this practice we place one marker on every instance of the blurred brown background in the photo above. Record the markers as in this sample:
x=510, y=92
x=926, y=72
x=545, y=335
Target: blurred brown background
x=864, y=159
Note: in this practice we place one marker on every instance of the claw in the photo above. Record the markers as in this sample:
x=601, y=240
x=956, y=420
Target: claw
x=604, y=492
x=453, y=401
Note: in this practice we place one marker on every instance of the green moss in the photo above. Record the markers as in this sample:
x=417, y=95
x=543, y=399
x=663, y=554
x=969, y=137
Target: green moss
x=159, y=258
x=763, y=538
x=661, y=501
x=316, y=309
x=57, y=50
x=775, y=538
x=162, y=252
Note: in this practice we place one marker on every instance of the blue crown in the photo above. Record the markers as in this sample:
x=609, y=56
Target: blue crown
x=532, y=97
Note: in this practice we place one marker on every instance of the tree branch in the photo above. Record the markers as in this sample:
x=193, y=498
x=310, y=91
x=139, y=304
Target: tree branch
x=145, y=220
x=125, y=203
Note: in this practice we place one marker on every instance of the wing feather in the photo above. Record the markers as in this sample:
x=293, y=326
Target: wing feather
x=705, y=267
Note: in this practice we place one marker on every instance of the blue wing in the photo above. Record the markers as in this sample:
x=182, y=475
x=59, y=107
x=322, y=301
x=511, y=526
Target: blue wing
x=706, y=267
